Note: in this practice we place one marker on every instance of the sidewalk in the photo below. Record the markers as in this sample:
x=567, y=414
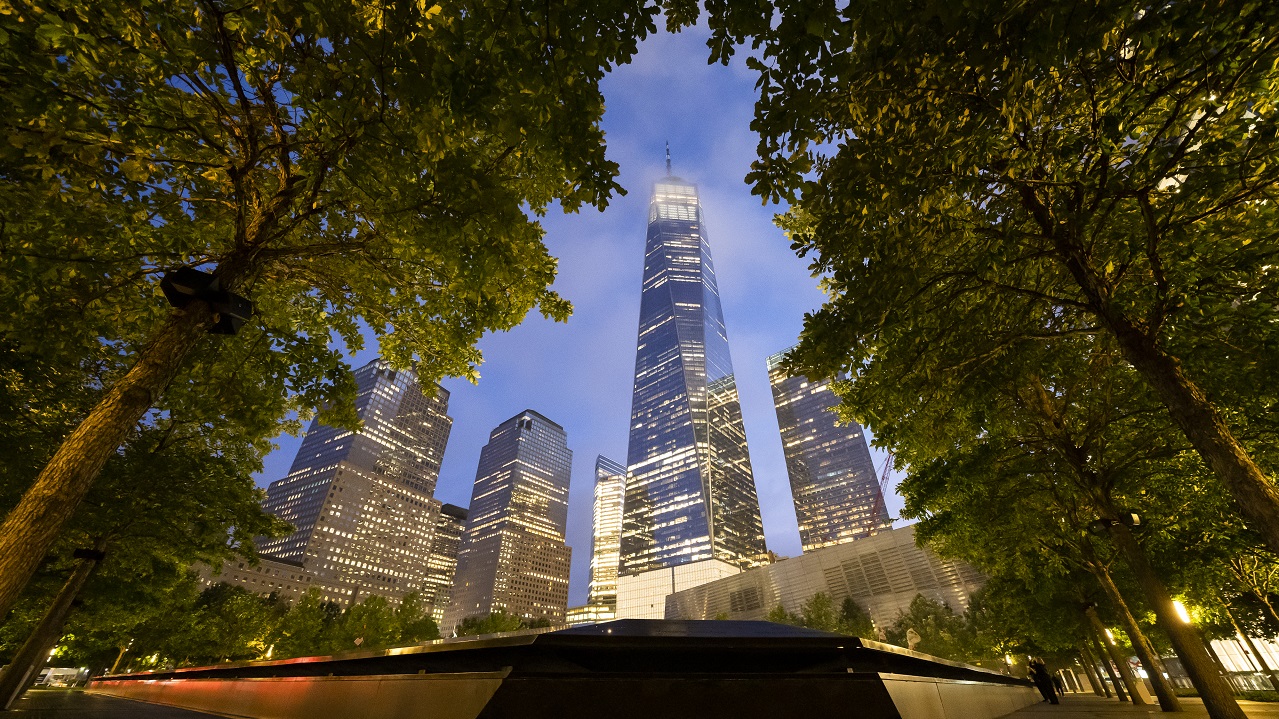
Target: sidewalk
x=75, y=704
x=1088, y=706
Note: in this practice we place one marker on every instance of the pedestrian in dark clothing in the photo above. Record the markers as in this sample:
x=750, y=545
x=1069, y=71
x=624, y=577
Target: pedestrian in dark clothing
x=1043, y=680
x=1059, y=685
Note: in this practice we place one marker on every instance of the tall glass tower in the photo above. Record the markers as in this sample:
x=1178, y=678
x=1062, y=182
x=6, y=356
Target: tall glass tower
x=513, y=557
x=832, y=478
x=606, y=544
x=690, y=493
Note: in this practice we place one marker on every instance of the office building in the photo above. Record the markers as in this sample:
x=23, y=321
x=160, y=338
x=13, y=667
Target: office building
x=288, y=581
x=606, y=544
x=361, y=502
x=832, y=478
x=691, y=511
x=883, y=573
x=441, y=563
x=513, y=557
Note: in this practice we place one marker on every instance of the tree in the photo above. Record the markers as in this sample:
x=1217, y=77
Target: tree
x=942, y=632
x=307, y=629
x=221, y=623
x=1058, y=441
x=340, y=164
x=413, y=623
x=818, y=612
x=854, y=621
x=779, y=615
x=973, y=178
x=494, y=623
x=175, y=493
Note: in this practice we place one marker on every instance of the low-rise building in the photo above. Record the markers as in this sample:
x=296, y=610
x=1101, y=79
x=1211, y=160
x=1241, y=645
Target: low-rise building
x=287, y=580
x=883, y=573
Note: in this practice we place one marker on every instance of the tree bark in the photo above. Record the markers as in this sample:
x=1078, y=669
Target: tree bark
x=1252, y=647
x=1256, y=497
x=1109, y=668
x=35, y=650
x=31, y=527
x=1090, y=668
x=119, y=658
x=1141, y=644
x=1217, y=697
x=1121, y=664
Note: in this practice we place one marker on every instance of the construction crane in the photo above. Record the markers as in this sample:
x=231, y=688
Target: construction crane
x=879, y=509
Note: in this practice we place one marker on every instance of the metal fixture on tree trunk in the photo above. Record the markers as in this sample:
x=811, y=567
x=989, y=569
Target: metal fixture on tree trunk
x=185, y=285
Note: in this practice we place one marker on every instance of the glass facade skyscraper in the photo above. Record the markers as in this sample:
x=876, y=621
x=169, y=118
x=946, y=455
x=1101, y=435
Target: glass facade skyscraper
x=606, y=540
x=690, y=492
x=513, y=556
x=832, y=477
x=362, y=503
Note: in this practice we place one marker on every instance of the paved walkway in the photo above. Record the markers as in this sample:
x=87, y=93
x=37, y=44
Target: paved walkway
x=75, y=704
x=1089, y=706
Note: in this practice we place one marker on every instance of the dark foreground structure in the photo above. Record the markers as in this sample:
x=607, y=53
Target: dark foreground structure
x=640, y=669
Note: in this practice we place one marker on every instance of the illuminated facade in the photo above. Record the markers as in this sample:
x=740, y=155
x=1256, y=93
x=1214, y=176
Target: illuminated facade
x=361, y=502
x=288, y=581
x=606, y=545
x=513, y=556
x=690, y=493
x=441, y=564
x=883, y=573
x=832, y=477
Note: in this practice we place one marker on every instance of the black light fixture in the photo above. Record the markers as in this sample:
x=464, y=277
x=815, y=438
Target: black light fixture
x=1128, y=519
x=185, y=285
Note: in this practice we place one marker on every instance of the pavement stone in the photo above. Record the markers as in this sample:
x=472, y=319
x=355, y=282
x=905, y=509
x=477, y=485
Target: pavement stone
x=75, y=704
x=1089, y=706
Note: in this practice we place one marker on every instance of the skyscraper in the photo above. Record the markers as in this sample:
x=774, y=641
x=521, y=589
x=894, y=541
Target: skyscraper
x=606, y=545
x=691, y=511
x=832, y=478
x=361, y=502
x=441, y=564
x=513, y=555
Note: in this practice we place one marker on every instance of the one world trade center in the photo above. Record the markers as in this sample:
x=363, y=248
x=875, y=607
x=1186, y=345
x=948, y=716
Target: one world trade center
x=691, y=511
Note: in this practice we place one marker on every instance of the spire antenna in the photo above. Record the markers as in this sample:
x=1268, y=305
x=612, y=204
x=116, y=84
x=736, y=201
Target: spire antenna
x=668, y=158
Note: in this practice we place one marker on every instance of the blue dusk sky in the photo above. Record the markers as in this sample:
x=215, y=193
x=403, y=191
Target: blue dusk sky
x=579, y=373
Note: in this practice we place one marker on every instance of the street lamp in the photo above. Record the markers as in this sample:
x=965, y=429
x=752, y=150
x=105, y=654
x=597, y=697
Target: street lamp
x=1181, y=611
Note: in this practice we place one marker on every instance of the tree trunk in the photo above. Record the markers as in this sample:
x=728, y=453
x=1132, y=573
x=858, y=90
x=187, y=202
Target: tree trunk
x=35, y=650
x=1109, y=668
x=31, y=527
x=1090, y=668
x=1252, y=647
x=119, y=658
x=1121, y=664
x=1256, y=497
x=1217, y=697
x=1145, y=651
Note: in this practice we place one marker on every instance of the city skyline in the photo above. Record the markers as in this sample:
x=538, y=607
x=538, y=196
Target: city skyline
x=590, y=360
